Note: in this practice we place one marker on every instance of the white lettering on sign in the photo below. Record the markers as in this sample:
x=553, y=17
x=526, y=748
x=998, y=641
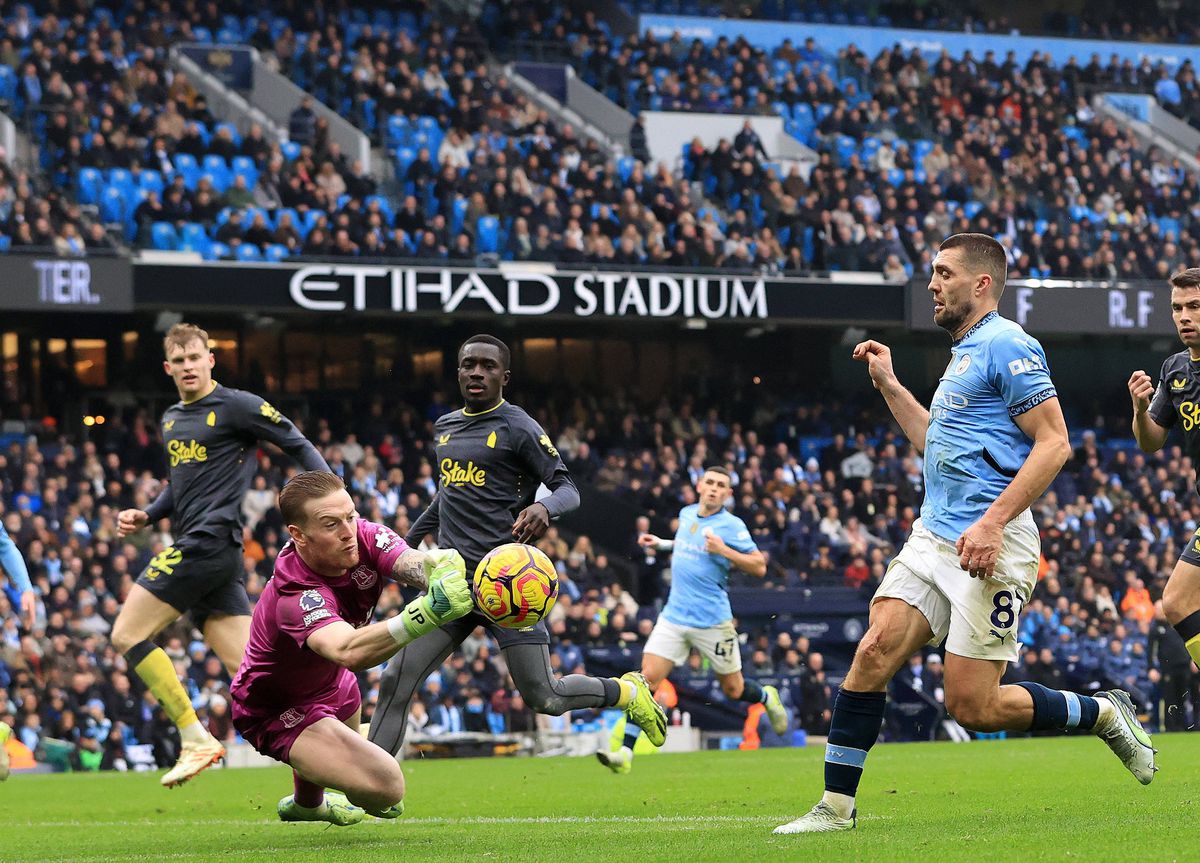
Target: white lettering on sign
x=65, y=283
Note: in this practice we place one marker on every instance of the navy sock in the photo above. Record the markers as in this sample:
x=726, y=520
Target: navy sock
x=632, y=732
x=752, y=693
x=857, y=718
x=1055, y=708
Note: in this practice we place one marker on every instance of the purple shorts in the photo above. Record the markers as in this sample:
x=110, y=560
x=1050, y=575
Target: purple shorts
x=272, y=732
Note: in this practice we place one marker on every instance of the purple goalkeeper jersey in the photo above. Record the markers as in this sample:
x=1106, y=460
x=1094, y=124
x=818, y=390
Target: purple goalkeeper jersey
x=279, y=669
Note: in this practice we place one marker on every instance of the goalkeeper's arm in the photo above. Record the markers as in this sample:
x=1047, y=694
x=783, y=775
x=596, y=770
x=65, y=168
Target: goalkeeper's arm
x=449, y=598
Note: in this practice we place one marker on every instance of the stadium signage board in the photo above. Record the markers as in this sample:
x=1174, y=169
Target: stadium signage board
x=52, y=284
x=232, y=65
x=356, y=288
x=1068, y=308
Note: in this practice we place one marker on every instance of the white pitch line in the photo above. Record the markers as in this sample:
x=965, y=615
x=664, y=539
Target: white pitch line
x=437, y=821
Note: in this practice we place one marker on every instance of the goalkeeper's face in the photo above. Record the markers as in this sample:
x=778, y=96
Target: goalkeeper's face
x=328, y=539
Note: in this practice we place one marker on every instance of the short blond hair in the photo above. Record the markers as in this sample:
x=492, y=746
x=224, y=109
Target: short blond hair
x=182, y=334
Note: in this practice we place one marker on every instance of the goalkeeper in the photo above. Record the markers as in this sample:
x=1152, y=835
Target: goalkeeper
x=295, y=696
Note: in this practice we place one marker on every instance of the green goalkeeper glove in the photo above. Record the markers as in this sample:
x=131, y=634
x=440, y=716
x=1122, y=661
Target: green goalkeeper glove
x=449, y=596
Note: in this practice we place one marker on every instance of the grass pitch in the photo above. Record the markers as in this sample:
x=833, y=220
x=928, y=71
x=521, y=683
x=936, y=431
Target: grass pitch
x=1018, y=800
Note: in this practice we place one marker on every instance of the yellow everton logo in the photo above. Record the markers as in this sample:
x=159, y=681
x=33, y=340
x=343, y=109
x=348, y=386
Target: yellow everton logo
x=545, y=441
x=269, y=412
x=211, y=419
x=491, y=440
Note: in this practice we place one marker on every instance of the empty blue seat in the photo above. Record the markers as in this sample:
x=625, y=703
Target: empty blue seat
x=248, y=252
x=184, y=161
x=193, y=238
x=458, y=214
x=291, y=150
x=163, y=236
x=276, y=252
x=88, y=183
x=112, y=204
x=487, y=235
x=151, y=181
x=625, y=167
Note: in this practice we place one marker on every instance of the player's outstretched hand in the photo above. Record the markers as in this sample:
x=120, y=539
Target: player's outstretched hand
x=532, y=523
x=441, y=562
x=130, y=521
x=979, y=547
x=878, y=358
x=1141, y=389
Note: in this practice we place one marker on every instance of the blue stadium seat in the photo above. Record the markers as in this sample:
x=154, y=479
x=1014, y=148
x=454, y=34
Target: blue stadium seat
x=216, y=251
x=291, y=150
x=1167, y=91
x=193, y=238
x=112, y=204
x=972, y=208
x=248, y=252
x=398, y=130
x=625, y=167
x=88, y=183
x=121, y=178
x=276, y=252
x=163, y=236
x=151, y=181
x=487, y=235
x=458, y=214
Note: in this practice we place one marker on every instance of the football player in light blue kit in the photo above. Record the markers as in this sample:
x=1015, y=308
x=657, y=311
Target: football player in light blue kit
x=708, y=543
x=993, y=440
x=13, y=565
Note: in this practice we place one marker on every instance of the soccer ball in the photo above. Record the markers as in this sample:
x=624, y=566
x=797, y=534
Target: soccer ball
x=515, y=585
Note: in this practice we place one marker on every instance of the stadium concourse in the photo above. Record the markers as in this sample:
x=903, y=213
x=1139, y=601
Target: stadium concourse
x=1112, y=525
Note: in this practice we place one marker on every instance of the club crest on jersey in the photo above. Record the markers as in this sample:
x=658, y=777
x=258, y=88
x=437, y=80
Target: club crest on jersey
x=311, y=600
x=291, y=717
x=964, y=363
x=363, y=577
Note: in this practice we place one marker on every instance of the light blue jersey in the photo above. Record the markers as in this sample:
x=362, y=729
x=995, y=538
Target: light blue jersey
x=973, y=447
x=699, y=580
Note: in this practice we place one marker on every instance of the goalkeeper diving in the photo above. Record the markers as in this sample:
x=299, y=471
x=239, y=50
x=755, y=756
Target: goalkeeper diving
x=295, y=696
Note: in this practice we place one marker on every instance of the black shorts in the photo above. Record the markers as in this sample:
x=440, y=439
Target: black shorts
x=199, y=574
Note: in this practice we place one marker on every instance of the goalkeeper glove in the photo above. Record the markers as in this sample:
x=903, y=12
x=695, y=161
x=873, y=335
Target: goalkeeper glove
x=449, y=596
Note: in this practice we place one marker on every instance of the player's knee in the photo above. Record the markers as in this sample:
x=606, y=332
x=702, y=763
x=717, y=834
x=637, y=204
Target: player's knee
x=873, y=656
x=123, y=637
x=1177, y=602
x=545, y=701
x=732, y=688
x=391, y=786
x=971, y=711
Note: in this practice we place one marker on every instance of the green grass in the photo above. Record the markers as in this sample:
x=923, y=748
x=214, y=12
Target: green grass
x=1021, y=800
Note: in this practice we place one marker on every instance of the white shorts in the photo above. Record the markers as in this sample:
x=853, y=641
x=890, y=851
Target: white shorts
x=718, y=644
x=976, y=618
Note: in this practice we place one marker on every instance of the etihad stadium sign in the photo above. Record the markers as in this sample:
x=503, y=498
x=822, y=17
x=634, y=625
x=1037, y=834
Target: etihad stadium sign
x=382, y=289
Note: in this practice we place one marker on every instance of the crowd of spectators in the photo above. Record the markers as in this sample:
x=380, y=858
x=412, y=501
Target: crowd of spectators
x=829, y=510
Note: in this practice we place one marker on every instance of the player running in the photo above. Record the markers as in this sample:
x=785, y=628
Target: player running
x=1177, y=399
x=295, y=697
x=492, y=457
x=210, y=435
x=13, y=565
x=709, y=542
x=993, y=440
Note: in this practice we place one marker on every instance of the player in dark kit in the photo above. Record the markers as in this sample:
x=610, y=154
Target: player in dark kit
x=491, y=457
x=295, y=697
x=1177, y=399
x=211, y=435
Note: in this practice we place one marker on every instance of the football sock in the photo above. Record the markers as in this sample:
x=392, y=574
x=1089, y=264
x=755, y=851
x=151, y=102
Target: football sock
x=632, y=733
x=1054, y=708
x=614, y=692
x=307, y=794
x=154, y=667
x=752, y=693
x=626, y=694
x=857, y=718
x=1189, y=631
